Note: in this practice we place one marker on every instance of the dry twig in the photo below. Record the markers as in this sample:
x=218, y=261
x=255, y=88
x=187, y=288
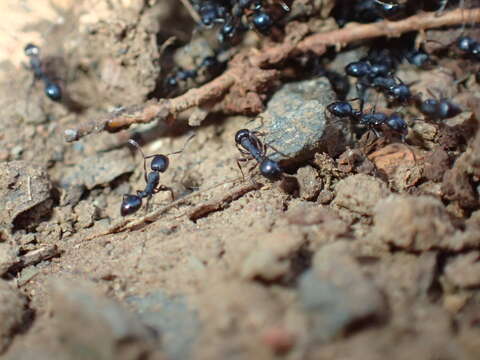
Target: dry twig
x=128, y=224
x=242, y=87
x=221, y=203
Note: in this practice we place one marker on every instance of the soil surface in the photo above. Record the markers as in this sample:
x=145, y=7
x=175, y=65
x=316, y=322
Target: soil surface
x=368, y=248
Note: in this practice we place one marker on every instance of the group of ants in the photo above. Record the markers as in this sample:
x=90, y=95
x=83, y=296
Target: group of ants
x=374, y=71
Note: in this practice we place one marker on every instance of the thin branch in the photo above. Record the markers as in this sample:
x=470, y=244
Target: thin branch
x=244, y=85
x=191, y=11
x=127, y=224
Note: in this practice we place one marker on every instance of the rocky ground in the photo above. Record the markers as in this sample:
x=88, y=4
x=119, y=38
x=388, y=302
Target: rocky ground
x=367, y=249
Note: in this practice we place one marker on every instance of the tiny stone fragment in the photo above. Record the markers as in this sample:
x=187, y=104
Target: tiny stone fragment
x=464, y=270
x=79, y=309
x=413, y=223
x=25, y=192
x=8, y=257
x=310, y=182
x=99, y=169
x=336, y=295
x=12, y=310
x=360, y=193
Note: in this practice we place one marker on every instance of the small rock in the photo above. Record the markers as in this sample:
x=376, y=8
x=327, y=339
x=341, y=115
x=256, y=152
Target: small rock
x=295, y=122
x=310, y=182
x=29, y=111
x=87, y=213
x=437, y=163
x=360, y=193
x=399, y=163
x=171, y=318
x=25, y=194
x=89, y=321
x=413, y=223
x=325, y=197
x=457, y=186
x=99, y=169
x=8, y=257
x=278, y=339
x=12, y=312
x=336, y=295
x=464, y=270
x=273, y=259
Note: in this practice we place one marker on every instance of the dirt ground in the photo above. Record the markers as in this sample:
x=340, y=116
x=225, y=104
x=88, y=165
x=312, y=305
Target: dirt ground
x=374, y=254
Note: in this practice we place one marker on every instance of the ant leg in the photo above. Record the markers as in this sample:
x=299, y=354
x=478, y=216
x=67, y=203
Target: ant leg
x=165, y=188
x=242, y=151
x=29, y=93
x=443, y=5
x=276, y=151
x=240, y=167
x=361, y=92
x=262, y=122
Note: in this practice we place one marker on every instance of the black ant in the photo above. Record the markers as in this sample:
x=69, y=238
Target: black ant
x=209, y=63
x=211, y=12
x=469, y=46
x=252, y=147
x=373, y=120
x=439, y=109
x=52, y=90
x=375, y=71
x=419, y=58
x=394, y=88
x=159, y=164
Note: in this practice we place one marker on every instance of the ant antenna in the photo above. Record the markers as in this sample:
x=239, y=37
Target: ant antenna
x=184, y=145
x=134, y=143
x=284, y=6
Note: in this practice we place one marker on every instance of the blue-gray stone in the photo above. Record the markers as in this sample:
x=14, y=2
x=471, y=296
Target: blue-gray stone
x=296, y=124
x=170, y=317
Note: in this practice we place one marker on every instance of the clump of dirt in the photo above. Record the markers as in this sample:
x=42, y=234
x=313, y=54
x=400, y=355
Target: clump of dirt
x=367, y=247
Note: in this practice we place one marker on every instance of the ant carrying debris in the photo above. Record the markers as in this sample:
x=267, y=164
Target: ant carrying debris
x=373, y=120
x=51, y=89
x=159, y=164
x=252, y=147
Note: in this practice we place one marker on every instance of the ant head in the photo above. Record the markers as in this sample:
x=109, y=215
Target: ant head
x=271, y=169
x=227, y=32
x=386, y=8
x=53, y=91
x=465, y=43
x=242, y=134
x=32, y=50
x=419, y=58
x=475, y=50
x=401, y=92
x=358, y=69
x=159, y=163
x=130, y=204
x=262, y=21
x=340, y=108
x=396, y=122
